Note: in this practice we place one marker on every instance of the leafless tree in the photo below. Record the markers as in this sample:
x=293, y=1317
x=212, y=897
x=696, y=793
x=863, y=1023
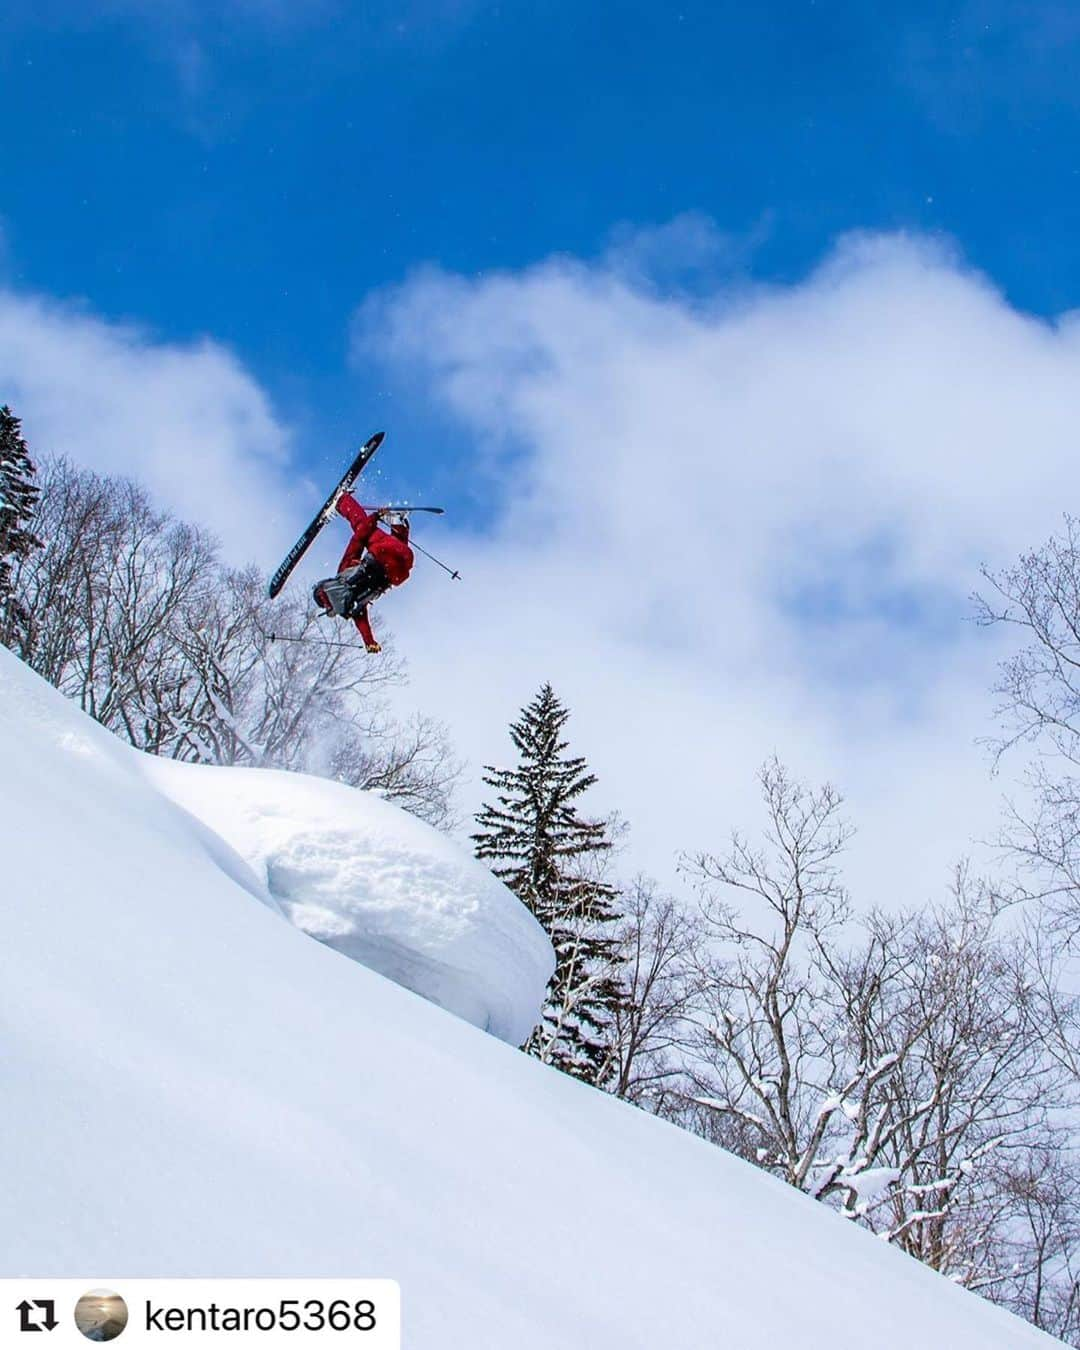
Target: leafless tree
x=1038, y=600
x=973, y=1094
x=102, y=594
x=893, y=1065
x=1039, y=690
x=135, y=616
x=656, y=943
x=410, y=763
x=762, y=1055
x=1038, y=1251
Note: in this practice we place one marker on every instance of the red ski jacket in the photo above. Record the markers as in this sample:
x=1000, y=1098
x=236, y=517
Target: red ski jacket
x=390, y=548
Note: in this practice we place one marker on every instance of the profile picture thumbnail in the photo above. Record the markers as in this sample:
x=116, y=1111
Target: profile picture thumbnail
x=101, y=1315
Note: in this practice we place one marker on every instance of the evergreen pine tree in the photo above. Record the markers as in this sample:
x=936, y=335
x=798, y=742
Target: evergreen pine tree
x=18, y=496
x=551, y=858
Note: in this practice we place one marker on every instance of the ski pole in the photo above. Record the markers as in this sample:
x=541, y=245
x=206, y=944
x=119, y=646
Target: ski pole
x=318, y=642
x=454, y=576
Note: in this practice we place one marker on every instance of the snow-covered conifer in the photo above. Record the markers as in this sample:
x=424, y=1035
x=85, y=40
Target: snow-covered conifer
x=18, y=496
x=552, y=858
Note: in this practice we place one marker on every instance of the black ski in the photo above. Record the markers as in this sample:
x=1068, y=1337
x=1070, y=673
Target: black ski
x=404, y=510
x=281, y=576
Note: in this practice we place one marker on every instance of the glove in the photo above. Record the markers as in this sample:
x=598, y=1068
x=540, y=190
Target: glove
x=373, y=648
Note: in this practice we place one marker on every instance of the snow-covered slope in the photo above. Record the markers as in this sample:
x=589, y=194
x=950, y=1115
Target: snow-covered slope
x=192, y=1086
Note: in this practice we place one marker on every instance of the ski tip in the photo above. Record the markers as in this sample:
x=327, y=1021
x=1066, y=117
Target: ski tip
x=375, y=441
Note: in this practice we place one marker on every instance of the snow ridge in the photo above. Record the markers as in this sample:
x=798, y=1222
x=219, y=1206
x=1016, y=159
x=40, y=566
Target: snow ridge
x=379, y=886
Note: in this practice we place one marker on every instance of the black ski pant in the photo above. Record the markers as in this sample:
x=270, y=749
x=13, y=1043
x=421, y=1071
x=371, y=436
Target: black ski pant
x=356, y=587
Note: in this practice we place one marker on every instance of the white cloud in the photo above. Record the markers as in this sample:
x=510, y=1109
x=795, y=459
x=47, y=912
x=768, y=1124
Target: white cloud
x=188, y=421
x=685, y=254
x=736, y=527
x=723, y=526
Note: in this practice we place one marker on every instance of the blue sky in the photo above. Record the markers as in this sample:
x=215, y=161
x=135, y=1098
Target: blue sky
x=253, y=170
x=795, y=269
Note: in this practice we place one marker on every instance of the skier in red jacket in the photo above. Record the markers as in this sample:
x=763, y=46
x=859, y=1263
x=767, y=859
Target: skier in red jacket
x=374, y=560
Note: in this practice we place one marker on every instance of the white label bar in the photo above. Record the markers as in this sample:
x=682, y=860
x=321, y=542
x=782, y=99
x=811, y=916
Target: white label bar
x=321, y=1314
